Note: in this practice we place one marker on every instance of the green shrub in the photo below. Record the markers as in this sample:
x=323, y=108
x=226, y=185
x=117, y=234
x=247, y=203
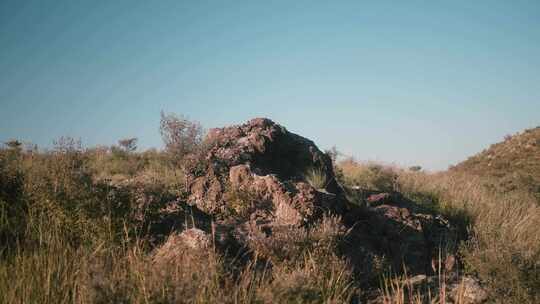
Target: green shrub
x=316, y=178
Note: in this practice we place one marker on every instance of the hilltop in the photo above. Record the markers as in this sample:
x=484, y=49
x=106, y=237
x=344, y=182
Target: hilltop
x=510, y=165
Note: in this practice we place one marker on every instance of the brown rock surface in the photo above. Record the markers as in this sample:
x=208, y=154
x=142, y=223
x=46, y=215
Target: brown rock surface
x=399, y=229
x=251, y=180
x=269, y=163
x=467, y=290
x=191, y=241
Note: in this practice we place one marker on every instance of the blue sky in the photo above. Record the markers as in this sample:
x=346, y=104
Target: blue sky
x=409, y=82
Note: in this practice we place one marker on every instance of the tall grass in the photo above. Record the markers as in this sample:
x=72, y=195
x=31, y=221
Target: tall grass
x=316, y=178
x=502, y=245
x=108, y=272
x=511, y=218
x=70, y=233
x=368, y=175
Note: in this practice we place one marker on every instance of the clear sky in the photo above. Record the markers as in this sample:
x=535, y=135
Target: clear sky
x=410, y=82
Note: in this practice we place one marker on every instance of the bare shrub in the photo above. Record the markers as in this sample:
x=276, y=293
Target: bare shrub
x=128, y=144
x=415, y=168
x=180, y=135
x=13, y=144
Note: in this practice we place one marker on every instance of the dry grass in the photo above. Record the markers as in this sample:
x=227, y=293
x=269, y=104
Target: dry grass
x=68, y=238
x=71, y=236
x=512, y=165
x=368, y=175
x=51, y=274
x=500, y=229
x=503, y=246
x=55, y=272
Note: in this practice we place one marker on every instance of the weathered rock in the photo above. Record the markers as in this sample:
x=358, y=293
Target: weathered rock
x=251, y=179
x=467, y=290
x=379, y=199
x=267, y=163
x=399, y=230
x=191, y=241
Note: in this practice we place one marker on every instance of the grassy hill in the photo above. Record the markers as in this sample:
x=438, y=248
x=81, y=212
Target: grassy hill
x=509, y=166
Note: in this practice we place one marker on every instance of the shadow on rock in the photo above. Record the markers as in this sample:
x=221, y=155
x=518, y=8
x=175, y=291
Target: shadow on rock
x=407, y=235
x=248, y=192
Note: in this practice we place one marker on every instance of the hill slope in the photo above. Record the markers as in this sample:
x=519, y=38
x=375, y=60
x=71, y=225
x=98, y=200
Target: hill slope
x=511, y=165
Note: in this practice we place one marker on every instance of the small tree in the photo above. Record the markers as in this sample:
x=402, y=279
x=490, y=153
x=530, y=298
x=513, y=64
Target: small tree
x=180, y=135
x=333, y=153
x=13, y=144
x=415, y=168
x=128, y=144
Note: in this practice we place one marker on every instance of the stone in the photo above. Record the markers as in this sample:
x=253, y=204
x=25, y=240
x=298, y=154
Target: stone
x=178, y=246
x=253, y=180
x=398, y=229
x=269, y=163
x=467, y=290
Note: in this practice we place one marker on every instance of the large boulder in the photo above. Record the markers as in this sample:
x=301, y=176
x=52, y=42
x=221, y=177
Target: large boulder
x=262, y=166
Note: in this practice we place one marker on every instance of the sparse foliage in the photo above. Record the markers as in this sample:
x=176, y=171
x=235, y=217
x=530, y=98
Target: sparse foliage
x=13, y=144
x=128, y=144
x=333, y=153
x=180, y=135
x=511, y=166
x=415, y=168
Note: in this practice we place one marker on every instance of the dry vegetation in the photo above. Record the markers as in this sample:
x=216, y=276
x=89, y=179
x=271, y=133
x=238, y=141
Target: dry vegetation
x=502, y=244
x=70, y=235
x=509, y=166
x=79, y=226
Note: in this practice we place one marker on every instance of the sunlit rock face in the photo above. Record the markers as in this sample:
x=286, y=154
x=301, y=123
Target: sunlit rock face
x=269, y=163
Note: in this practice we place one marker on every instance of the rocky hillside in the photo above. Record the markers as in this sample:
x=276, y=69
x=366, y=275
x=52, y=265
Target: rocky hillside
x=510, y=165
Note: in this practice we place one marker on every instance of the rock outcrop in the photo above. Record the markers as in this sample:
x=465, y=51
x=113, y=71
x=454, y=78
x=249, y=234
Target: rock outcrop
x=252, y=185
x=254, y=177
x=262, y=162
x=258, y=190
x=399, y=229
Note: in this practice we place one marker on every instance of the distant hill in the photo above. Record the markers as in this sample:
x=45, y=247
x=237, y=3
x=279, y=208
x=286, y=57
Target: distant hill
x=511, y=165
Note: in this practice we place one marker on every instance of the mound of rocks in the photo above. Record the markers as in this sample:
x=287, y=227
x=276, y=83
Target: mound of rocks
x=262, y=162
x=251, y=183
x=255, y=177
x=400, y=229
